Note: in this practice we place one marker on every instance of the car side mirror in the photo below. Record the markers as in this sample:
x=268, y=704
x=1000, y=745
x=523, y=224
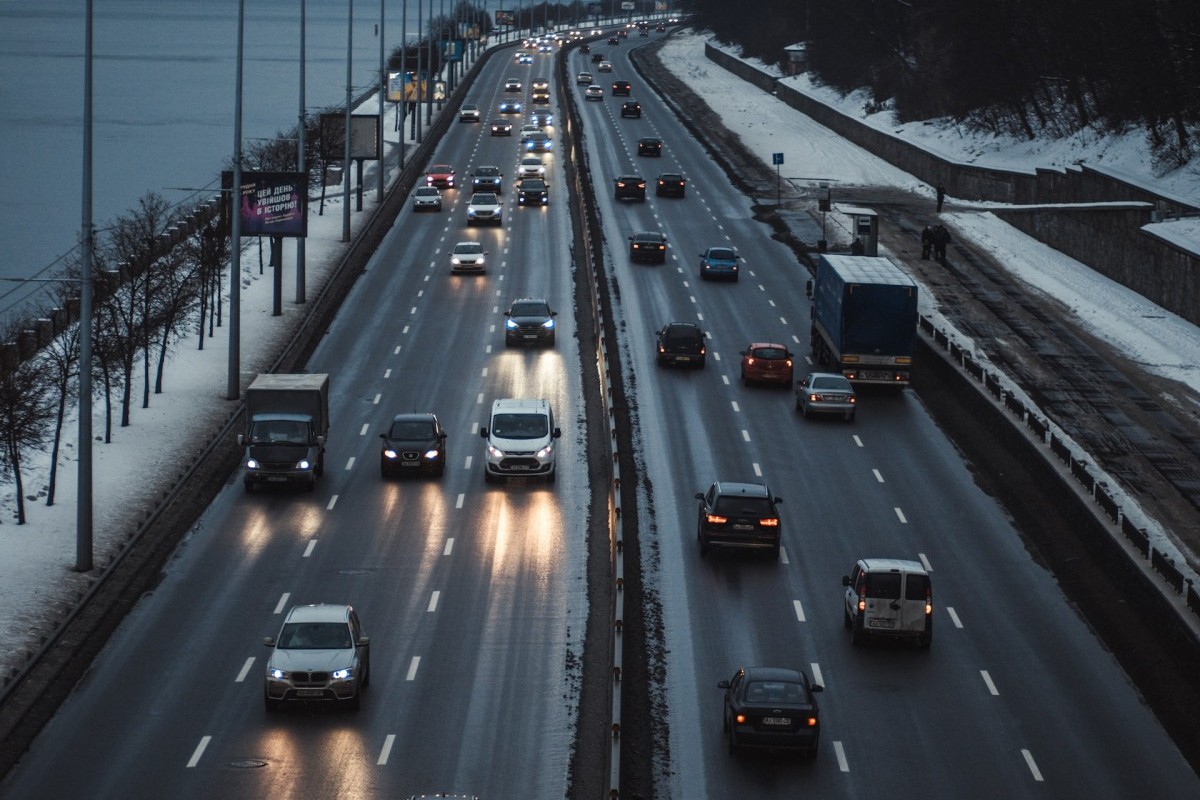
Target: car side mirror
x=816, y=687
x=557, y=432
x=741, y=352
x=442, y=436
x=383, y=436
x=483, y=432
x=808, y=288
x=699, y=495
x=778, y=499
x=845, y=580
x=554, y=313
x=269, y=641
x=363, y=641
x=508, y=313
x=241, y=440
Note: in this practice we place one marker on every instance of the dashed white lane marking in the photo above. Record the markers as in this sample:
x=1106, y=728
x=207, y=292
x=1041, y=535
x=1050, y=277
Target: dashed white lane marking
x=925, y=562
x=736, y=408
x=449, y=547
x=725, y=379
x=378, y=397
x=241, y=676
x=283, y=598
x=405, y=329
x=816, y=673
x=878, y=475
x=757, y=470
x=483, y=373
x=332, y=503
x=467, y=464
x=840, y=752
x=716, y=355
x=954, y=617
x=312, y=543
x=199, y=751
x=387, y=373
x=987, y=679
x=857, y=440
x=1033, y=768
x=900, y=515
x=479, y=399
x=459, y=502
x=745, y=435
x=396, y=352
x=412, y=668
x=433, y=601
x=388, y=741
x=366, y=426
x=350, y=463
x=799, y=610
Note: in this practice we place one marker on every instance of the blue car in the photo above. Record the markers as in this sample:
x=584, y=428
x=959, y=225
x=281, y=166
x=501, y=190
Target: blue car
x=719, y=262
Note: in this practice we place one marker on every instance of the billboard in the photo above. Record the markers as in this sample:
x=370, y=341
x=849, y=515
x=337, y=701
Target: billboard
x=273, y=203
x=395, y=86
x=504, y=17
x=452, y=50
x=364, y=136
x=627, y=5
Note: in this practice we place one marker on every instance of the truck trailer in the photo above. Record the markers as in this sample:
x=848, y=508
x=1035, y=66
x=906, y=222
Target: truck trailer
x=864, y=319
x=287, y=421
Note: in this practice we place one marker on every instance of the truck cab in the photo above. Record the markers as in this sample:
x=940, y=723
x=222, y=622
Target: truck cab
x=283, y=442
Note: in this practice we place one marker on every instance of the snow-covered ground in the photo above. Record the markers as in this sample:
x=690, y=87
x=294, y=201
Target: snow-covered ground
x=36, y=559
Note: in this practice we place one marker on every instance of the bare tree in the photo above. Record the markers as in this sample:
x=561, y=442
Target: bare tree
x=62, y=366
x=177, y=287
x=25, y=417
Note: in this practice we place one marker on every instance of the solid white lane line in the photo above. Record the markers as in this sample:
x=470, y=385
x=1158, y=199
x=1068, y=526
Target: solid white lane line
x=388, y=741
x=412, y=668
x=1029, y=762
x=925, y=562
x=799, y=610
x=757, y=470
x=878, y=475
x=199, y=751
x=900, y=515
x=350, y=463
x=953, y=617
x=241, y=676
x=308, y=550
x=843, y=765
x=332, y=503
x=987, y=679
x=282, y=602
x=816, y=673
x=449, y=547
x=366, y=426
x=433, y=601
x=459, y=502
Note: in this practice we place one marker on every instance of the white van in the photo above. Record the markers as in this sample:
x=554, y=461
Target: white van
x=520, y=440
x=889, y=598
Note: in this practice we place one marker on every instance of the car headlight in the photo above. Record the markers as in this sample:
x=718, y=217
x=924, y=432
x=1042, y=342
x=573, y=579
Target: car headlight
x=432, y=455
x=341, y=674
x=548, y=324
x=494, y=452
x=389, y=453
x=470, y=211
x=455, y=260
x=545, y=452
x=510, y=324
x=277, y=674
x=303, y=464
x=251, y=463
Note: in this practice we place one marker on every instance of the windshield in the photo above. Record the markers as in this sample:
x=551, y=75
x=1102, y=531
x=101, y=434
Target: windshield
x=409, y=430
x=482, y=199
x=487, y=172
x=530, y=310
x=721, y=254
x=315, y=636
x=469, y=248
x=775, y=692
x=520, y=426
x=279, y=431
x=833, y=382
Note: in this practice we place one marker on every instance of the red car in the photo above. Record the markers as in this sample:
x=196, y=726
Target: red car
x=441, y=176
x=767, y=362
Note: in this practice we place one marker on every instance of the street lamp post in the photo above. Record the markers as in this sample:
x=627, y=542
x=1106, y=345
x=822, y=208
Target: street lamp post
x=301, y=159
x=83, y=511
x=233, y=379
x=382, y=92
x=346, y=144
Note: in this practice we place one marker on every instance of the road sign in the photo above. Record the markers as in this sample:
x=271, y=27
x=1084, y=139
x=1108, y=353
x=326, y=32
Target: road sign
x=776, y=158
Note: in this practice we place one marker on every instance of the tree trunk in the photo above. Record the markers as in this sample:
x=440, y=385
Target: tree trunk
x=58, y=424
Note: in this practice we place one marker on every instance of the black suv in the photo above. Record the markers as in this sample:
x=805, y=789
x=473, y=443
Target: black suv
x=681, y=343
x=631, y=187
x=413, y=444
x=533, y=192
x=648, y=246
x=621, y=87
x=631, y=108
x=529, y=322
x=738, y=515
x=488, y=179
x=650, y=146
x=672, y=184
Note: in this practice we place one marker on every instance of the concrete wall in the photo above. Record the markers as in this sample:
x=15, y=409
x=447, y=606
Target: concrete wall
x=1109, y=239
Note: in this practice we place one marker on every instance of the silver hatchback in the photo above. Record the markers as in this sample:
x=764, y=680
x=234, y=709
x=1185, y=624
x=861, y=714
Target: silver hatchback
x=826, y=393
x=320, y=654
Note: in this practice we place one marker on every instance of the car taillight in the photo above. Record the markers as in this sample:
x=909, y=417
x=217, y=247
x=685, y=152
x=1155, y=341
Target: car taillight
x=862, y=598
x=749, y=362
x=812, y=722
x=716, y=520
x=769, y=522
x=740, y=719
x=788, y=363
x=928, y=600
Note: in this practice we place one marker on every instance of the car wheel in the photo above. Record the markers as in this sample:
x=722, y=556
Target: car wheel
x=366, y=681
x=725, y=721
x=850, y=417
x=487, y=476
x=270, y=703
x=355, y=701
x=846, y=621
x=733, y=748
x=441, y=470
x=775, y=553
x=702, y=359
x=926, y=640
x=811, y=753
x=803, y=410
x=551, y=476
x=856, y=631
x=744, y=381
x=311, y=486
x=508, y=342
x=703, y=275
x=550, y=341
x=704, y=546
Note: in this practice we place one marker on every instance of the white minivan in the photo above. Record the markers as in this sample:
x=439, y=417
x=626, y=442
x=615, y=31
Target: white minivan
x=520, y=440
x=889, y=598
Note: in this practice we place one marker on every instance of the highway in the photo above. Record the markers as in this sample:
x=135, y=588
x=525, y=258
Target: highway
x=474, y=594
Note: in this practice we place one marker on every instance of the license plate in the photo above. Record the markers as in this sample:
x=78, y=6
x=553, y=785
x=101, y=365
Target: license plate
x=518, y=468
x=530, y=335
x=276, y=480
x=743, y=527
x=875, y=374
x=683, y=358
x=410, y=463
x=777, y=721
x=309, y=693
x=881, y=623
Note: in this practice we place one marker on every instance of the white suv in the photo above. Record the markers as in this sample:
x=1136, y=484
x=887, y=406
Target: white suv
x=320, y=654
x=520, y=440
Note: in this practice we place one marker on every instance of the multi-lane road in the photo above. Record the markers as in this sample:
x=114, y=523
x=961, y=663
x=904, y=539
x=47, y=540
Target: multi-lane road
x=474, y=594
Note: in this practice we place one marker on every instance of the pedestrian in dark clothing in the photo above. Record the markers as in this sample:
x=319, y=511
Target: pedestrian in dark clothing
x=856, y=247
x=941, y=195
x=941, y=238
x=926, y=242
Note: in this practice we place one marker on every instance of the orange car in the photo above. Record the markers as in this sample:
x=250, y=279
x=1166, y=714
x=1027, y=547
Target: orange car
x=767, y=362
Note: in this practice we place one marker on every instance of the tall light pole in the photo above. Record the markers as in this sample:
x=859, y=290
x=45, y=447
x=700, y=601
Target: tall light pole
x=346, y=146
x=429, y=69
x=83, y=511
x=382, y=92
x=301, y=159
x=233, y=379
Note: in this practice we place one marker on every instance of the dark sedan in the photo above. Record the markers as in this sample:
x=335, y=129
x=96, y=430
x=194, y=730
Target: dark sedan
x=529, y=321
x=671, y=184
x=533, y=192
x=772, y=708
x=681, y=343
x=649, y=246
x=739, y=516
x=649, y=146
x=414, y=444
